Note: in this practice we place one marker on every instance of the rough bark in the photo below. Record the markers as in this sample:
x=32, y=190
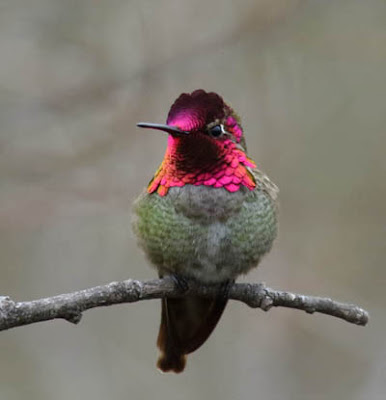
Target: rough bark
x=70, y=306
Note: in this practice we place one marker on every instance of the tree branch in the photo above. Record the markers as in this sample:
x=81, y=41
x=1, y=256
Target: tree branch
x=71, y=305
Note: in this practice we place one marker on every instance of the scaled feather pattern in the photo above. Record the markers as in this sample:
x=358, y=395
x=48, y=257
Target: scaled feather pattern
x=198, y=159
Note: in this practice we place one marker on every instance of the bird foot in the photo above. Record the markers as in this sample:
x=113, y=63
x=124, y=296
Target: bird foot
x=181, y=283
x=225, y=288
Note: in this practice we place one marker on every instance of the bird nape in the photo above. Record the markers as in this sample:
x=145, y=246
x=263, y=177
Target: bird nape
x=208, y=214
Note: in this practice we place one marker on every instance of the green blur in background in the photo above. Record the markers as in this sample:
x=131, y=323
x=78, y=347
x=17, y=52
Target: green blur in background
x=308, y=79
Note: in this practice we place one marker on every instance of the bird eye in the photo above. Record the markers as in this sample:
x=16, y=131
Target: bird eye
x=216, y=131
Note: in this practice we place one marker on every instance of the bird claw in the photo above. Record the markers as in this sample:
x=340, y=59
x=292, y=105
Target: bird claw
x=225, y=288
x=180, y=282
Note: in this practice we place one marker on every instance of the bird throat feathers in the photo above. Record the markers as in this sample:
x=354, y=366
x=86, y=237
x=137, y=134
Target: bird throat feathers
x=198, y=159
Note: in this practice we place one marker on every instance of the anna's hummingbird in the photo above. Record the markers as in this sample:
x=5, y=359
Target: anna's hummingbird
x=208, y=214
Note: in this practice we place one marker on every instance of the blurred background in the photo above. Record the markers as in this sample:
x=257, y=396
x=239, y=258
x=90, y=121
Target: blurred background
x=308, y=79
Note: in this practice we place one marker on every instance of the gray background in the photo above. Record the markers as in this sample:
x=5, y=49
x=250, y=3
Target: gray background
x=308, y=78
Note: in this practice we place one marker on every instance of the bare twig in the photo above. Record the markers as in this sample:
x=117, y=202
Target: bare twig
x=71, y=305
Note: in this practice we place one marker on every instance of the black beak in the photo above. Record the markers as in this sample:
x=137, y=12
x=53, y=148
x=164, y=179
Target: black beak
x=173, y=130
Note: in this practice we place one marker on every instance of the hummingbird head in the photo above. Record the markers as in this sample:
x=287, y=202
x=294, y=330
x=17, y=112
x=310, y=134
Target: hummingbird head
x=206, y=146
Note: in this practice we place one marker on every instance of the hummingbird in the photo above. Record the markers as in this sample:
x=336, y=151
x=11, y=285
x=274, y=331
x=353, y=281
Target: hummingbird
x=208, y=215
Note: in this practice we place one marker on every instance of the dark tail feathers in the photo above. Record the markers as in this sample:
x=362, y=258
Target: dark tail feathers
x=186, y=324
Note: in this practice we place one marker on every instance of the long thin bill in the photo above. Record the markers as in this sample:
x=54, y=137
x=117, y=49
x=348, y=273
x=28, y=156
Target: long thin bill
x=173, y=130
